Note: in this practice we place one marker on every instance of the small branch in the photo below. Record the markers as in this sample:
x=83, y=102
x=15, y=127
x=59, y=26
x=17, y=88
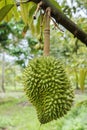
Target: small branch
x=48, y=11
x=38, y=8
x=56, y=25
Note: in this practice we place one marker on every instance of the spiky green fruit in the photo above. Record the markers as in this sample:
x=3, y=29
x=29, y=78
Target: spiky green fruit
x=48, y=88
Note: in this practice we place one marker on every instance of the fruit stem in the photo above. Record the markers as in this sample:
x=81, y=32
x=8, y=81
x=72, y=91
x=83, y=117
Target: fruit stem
x=47, y=32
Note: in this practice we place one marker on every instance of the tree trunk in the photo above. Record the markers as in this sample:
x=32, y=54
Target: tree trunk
x=3, y=72
x=47, y=33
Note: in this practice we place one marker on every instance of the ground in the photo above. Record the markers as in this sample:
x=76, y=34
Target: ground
x=16, y=113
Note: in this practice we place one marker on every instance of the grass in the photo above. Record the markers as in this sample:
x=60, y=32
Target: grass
x=17, y=114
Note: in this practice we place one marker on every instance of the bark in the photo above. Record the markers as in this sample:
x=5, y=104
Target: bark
x=62, y=19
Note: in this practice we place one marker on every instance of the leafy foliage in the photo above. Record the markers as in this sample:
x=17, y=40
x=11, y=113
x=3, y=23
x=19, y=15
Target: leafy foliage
x=72, y=53
x=6, y=6
x=4, y=10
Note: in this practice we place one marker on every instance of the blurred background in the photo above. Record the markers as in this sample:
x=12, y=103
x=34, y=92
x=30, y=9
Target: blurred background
x=19, y=43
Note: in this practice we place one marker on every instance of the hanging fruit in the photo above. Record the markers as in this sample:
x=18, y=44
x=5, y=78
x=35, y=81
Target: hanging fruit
x=48, y=88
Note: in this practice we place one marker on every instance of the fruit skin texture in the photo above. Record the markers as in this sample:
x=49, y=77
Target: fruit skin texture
x=48, y=88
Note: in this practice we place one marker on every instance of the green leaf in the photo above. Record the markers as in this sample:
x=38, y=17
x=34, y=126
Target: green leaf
x=15, y=13
x=38, y=25
x=31, y=13
x=4, y=11
x=82, y=77
x=32, y=28
x=24, y=12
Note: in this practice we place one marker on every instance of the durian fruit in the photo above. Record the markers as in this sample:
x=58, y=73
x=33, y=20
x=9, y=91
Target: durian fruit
x=48, y=88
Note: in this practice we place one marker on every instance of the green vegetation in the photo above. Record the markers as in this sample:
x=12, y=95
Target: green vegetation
x=14, y=113
x=21, y=39
x=17, y=114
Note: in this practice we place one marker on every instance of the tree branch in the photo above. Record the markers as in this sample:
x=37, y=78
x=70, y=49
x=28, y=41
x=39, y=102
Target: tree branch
x=67, y=23
x=62, y=19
